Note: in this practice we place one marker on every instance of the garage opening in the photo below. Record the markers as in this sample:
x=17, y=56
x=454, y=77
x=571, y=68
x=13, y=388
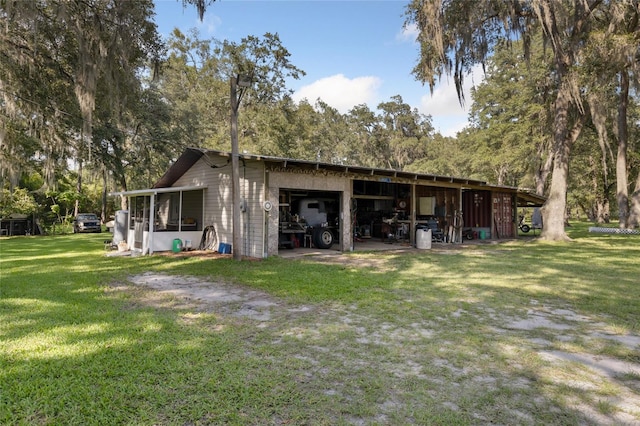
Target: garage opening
x=389, y=210
x=309, y=219
x=379, y=203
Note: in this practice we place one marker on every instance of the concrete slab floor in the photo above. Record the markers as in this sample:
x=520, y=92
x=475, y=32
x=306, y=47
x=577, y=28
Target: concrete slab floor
x=377, y=245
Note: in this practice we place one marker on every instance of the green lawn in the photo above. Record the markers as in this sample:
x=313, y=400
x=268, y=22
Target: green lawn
x=521, y=332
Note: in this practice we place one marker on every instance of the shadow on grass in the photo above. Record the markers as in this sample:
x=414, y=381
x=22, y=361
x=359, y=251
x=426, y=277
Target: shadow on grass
x=74, y=353
x=402, y=346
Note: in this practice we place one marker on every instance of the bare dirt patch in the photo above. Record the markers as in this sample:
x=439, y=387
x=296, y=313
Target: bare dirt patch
x=556, y=336
x=207, y=295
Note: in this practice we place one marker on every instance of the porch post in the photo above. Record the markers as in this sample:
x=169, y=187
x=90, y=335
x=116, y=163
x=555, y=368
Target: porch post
x=412, y=218
x=152, y=221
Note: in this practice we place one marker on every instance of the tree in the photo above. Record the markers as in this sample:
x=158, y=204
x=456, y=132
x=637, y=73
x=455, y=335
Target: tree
x=446, y=156
x=60, y=59
x=192, y=84
x=200, y=5
x=456, y=35
x=610, y=63
x=330, y=137
x=510, y=124
x=406, y=132
x=19, y=201
x=194, y=81
x=36, y=79
x=368, y=148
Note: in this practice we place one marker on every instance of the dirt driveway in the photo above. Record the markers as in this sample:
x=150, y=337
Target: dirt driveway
x=427, y=351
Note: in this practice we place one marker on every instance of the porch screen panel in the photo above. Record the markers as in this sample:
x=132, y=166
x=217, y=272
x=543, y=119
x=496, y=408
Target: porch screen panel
x=192, y=206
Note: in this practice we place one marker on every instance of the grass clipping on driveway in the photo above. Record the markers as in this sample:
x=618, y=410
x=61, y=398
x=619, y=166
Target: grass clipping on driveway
x=515, y=333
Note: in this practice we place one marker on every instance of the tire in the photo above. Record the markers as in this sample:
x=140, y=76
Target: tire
x=322, y=238
x=525, y=228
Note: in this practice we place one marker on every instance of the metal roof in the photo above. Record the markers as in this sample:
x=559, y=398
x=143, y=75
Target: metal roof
x=191, y=155
x=529, y=199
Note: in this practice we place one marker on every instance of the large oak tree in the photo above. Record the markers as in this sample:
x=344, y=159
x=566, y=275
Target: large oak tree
x=455, y=35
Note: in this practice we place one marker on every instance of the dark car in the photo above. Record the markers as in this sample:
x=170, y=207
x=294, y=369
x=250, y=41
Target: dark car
x=86, y=222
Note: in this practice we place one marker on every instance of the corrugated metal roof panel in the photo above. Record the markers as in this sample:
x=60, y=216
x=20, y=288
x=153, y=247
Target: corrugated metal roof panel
x=191, y=155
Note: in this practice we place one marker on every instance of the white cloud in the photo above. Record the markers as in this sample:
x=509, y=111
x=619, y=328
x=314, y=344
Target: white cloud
x=409, y=33
x=209, y=24
x=341, y=92
x=450, y=126
x=444, y=105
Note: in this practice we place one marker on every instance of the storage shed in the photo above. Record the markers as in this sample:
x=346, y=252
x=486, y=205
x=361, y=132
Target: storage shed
x=288, y=203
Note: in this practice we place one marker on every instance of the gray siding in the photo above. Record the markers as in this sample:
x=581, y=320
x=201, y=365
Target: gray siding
x=253, y=219
x=218, y=202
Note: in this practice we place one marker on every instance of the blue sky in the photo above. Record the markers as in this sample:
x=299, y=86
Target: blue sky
x=353, y=52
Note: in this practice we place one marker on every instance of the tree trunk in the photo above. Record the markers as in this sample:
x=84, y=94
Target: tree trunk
x=76, y=206
x=124, y=205
x=599, y=119
x=103, y=211
x=554, y=209
x=543, y=170
x=634, y=210
x=634, y=213
x=622, y=184
x=602, y=210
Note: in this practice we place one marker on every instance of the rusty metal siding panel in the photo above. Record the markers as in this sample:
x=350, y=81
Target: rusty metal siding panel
x=477, y=209
x=503, y=214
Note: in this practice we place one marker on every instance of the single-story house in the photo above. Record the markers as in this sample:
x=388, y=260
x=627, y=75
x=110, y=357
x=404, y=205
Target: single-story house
x=287, y=203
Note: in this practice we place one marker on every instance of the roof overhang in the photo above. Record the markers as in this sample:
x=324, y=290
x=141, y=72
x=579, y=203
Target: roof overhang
x=188, y=158
x=154, y=191
x=375, y=173
x=529, y=199
x=191, y=156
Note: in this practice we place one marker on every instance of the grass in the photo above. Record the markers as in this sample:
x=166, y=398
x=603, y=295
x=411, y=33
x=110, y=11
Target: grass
x=411, y=338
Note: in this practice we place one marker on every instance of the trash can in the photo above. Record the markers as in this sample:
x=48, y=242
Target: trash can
x=423, y=238
x=120, y=226
x=177, y=245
